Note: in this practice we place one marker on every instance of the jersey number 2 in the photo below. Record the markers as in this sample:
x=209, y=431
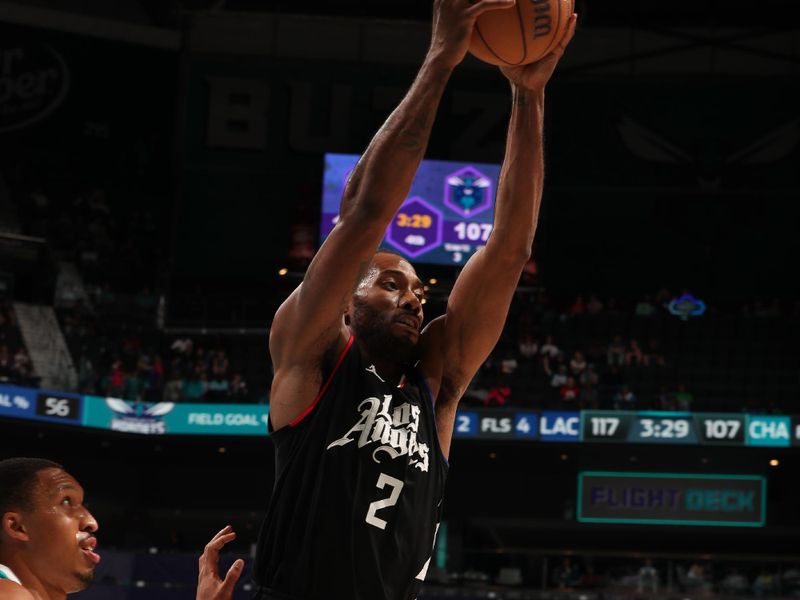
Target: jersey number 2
x=397, y=487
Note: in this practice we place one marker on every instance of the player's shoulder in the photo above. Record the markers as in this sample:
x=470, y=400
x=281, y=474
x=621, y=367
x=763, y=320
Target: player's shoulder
x=13, y=591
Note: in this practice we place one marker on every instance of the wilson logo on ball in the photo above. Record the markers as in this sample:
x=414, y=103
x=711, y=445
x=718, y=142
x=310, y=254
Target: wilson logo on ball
x=522, y=34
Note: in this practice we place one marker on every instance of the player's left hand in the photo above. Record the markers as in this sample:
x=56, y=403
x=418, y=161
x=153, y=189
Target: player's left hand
x=209, y=584
x=535, y=76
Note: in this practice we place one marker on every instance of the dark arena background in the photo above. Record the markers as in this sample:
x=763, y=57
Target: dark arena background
x=633, y=435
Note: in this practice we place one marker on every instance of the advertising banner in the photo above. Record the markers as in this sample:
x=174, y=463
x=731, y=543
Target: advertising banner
x=672, y=499
x=163, y=418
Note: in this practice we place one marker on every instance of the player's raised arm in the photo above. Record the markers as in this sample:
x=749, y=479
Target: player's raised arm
x=479, y=302
x=309, y=324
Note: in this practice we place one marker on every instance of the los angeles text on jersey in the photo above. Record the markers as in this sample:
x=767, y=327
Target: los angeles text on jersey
x=394, y=430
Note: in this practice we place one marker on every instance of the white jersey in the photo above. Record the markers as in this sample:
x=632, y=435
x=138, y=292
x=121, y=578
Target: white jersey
x=6, y=573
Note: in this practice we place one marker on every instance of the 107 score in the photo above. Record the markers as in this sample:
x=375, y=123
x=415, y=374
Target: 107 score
x=474, y=232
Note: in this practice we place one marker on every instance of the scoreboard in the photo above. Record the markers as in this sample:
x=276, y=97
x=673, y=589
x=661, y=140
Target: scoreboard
x=731, y=429
x=589, y=426
x=631, y=427
x=446, y=217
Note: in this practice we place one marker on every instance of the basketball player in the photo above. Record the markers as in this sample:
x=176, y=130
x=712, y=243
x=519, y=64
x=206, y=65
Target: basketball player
x=364, y=399
x=47, y=537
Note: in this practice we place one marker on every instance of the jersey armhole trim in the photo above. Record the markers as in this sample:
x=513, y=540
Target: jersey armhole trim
x=324, y=388
x=424, y=382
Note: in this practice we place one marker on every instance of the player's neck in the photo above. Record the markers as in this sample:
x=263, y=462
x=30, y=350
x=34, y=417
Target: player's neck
x=30, y=581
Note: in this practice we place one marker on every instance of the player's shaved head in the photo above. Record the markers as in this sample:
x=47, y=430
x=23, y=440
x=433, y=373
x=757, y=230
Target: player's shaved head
x=377, y=265
x=18, y=481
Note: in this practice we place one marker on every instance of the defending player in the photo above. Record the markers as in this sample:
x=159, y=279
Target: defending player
x=363, y=399
x=48, y=543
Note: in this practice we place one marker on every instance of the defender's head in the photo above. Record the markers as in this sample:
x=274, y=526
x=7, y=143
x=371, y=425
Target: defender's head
x=385, y=312
x=45, y=525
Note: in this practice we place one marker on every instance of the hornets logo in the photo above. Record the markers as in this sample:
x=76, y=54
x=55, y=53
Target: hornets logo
x=468, y=191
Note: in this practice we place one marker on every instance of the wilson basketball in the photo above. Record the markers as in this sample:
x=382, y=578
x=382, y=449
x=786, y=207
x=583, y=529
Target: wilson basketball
x=522, y=34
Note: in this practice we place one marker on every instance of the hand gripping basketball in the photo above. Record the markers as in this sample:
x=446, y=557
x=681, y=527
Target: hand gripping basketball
x=453, y=24
x=521, y=34
x=536, y=75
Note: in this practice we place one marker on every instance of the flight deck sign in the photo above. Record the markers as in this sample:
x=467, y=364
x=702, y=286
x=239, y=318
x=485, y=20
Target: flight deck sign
x=671, y=499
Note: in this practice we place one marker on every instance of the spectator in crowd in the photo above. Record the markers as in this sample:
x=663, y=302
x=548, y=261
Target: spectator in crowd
x=589, y=377
x=696, y=578
x=765, y=584
x=647, y=577
x=115, y=382
x=173, y=389
x=182, y=346
x=566, y=575
x=238, y=388
x=219, y=364
x=616, y=351
x=87, y=375
x=645, y=307
x=559, y=378
x=665, y=400
x=6, y=363
x=594, y=307
x=23, y=366
x=577, y=308
x=194, y=388
x=589, y=397
x=734, y=583
x=569, y=392
x=624, y=399
x=508, y=364
x=633, y=355
x=653, y=357
x=549, y=348
x=155, y=379
x=134, y=386
x=528, y=347
x=218, y=388
x=613, y=379
x=577, y=364
x=683, y=398
x=499, y=393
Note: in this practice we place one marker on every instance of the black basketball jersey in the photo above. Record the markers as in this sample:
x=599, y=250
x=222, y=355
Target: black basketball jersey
x=359, y=484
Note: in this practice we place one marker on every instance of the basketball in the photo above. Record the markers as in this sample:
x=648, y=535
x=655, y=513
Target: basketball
x=522, y=34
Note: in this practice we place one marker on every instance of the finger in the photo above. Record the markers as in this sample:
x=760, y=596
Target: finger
x=222, y=531
x=559, y=50
x=219, y=542
x=570, y=33
x=482, y=6
x=210, y=556
x=233, y=574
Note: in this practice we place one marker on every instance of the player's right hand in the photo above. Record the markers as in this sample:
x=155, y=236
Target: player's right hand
x=209, y=584
x=453, y=22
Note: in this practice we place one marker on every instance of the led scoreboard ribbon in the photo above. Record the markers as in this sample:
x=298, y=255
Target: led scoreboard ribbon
x=731, y=429
x=626, y=427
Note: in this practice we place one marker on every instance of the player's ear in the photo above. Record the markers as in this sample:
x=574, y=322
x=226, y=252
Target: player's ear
x=13, y=526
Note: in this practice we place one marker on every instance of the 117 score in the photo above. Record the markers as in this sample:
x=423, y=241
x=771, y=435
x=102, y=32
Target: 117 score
x=678, y=428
